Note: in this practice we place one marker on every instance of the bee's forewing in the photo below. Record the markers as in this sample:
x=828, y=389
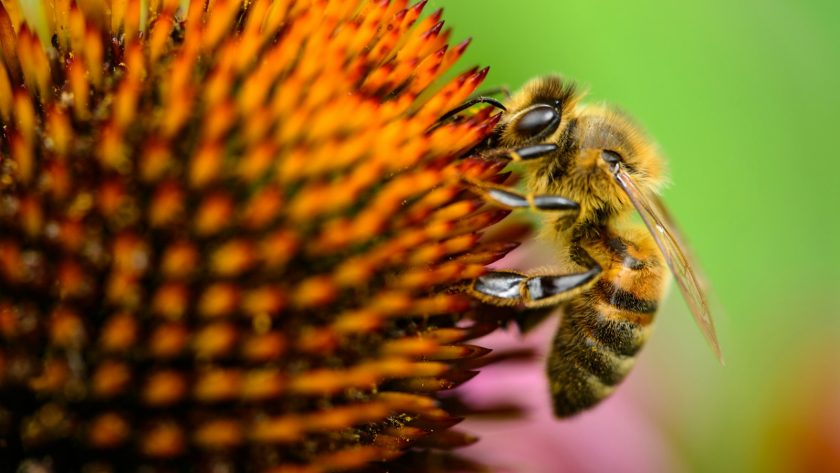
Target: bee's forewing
x=668, y=239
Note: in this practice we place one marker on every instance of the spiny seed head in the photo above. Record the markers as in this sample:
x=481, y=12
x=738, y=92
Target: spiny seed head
x=230, y=237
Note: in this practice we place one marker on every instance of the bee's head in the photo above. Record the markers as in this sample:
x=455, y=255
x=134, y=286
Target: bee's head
x=537, y=113
x=590, y=139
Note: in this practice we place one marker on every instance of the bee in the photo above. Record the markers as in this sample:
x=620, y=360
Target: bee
x=587, y=169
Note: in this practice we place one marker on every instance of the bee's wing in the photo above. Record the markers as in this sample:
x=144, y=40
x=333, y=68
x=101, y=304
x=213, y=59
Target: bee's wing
x=674, y=250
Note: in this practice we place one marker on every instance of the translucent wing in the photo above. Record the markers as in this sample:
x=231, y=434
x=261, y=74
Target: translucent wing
x=674, y=250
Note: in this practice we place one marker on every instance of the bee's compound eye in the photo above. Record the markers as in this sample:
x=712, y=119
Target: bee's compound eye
x=540, y=120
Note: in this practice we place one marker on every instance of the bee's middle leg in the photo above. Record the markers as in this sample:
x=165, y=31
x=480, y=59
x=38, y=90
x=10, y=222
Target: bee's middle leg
x=510, y=198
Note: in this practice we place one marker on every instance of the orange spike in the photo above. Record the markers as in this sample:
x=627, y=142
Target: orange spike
x=166, y=205
x=123, y=290
x=263, y=347
x=108, y=430
x=232, y=258
x=276, y=430
x=31, y=216
x=217, y=86
x=119, y=8
x=119, y=333
x=154, y=160
x=263, y=300
x=66, y=328
x=219, y=119
x=58, y=17
x=424, y=37
x=34, y=62
x=11, y=264
x=277, y=16
x=8, y=44
x=23, y=158
x=427, y=71
x=453, y=54
x=125, y=102
x=262, y=208
x=6, y=95
x=218, y=300
x=94, y=55
x=315, y=291
x=409, y=347
x=159, y=37
x=164, y=388
x=318, y=382
x=24, y=114
x=224, y=12
x=95, y=11
x=346, y=416
x=351, y=458
x=205, y=165
x=168, y=340
x=215, y=340
x=194, y=20
x=164, y=439
x=179, y=260
x=219, y=434
x=58, y=130
x=321, y=340
x=217, y=385
x=213, y=214
x=131, y=25
x=77, y=76
x=412, y=13
x=276, y=248
x=112, y=152
x=110, y=378
x=360, y=321
x=262, y=384
x=110, y=196
x=72, y=281
x=257, y=161
x=170, y=300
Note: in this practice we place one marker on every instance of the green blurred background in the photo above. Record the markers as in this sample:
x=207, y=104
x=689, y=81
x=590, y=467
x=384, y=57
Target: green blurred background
x=744, y=100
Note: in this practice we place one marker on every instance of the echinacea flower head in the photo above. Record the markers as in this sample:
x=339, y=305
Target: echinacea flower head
x=231, y=235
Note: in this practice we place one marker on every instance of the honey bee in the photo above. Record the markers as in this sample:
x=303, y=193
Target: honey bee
x=588, y=167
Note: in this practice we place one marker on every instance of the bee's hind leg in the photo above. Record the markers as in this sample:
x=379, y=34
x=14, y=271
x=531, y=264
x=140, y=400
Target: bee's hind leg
x=512, y=288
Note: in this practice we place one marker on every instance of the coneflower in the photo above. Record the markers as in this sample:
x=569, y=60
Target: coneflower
x=231, y=236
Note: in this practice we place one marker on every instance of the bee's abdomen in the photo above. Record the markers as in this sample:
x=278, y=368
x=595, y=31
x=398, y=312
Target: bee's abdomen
x=602, y=331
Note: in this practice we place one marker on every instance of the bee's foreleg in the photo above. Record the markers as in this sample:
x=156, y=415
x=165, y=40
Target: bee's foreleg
x=525, y=153
x=469, y=103
x=512, y=288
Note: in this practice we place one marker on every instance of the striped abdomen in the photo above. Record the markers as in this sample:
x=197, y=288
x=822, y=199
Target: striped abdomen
x=604, y=328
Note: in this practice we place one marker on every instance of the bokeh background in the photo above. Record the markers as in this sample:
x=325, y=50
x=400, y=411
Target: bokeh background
x=744, y=100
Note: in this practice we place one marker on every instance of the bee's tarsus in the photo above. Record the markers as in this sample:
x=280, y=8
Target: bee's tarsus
x=554, y=202
x=542, y=287
x=511, y=199
x=500, y=284
x=526, y=153
x=501, y=90
x=531, y=291
x=469, y=103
